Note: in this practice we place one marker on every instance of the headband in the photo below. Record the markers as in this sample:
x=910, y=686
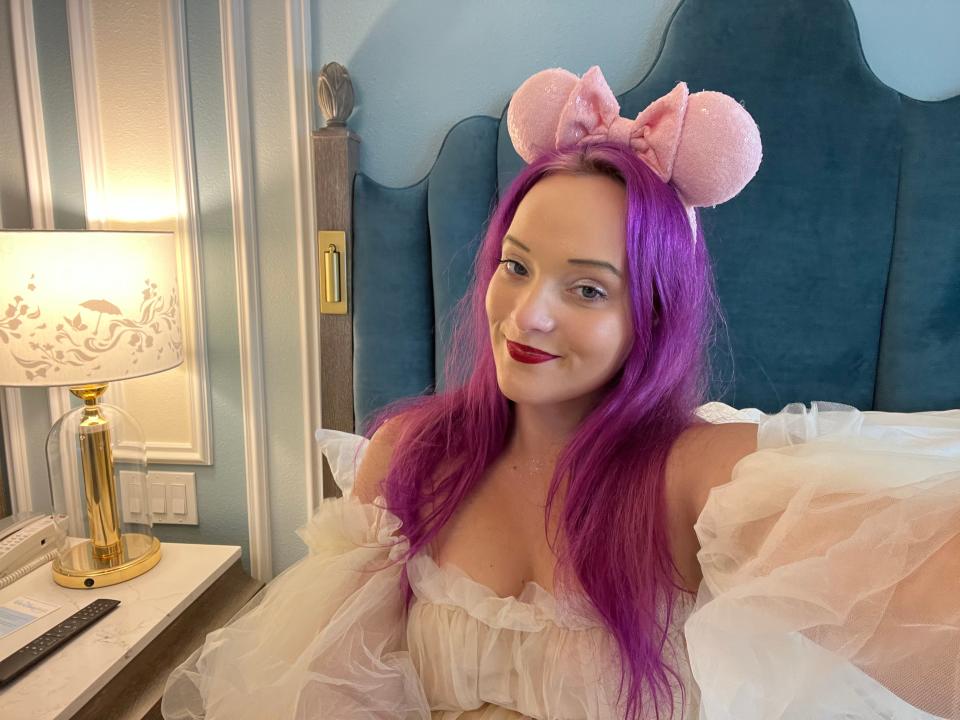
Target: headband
x=705, y=145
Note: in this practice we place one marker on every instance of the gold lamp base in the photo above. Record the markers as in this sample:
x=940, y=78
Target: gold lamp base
x=80, y=568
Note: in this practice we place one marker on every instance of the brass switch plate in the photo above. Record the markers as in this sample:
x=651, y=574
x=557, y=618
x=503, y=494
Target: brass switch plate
x=333, y=280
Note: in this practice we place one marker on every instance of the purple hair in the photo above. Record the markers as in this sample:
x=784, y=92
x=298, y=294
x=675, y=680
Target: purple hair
x=614, y=515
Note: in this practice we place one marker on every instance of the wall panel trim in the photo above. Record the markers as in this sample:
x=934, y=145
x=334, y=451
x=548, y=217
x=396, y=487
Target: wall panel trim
x=236, y=93
x=188, y=231
x=83, y=67
x=197, y=450
x=299, y=79
x=30, y=108
x=15, y=444
x=39, y=189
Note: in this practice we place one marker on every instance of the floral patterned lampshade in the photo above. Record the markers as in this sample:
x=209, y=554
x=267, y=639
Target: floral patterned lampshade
x=84, y=307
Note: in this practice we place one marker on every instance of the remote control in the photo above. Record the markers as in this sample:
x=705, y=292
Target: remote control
x=36, y=650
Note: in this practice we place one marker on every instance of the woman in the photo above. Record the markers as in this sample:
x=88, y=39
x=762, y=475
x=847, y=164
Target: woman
x=524, y=544
x=616, y=388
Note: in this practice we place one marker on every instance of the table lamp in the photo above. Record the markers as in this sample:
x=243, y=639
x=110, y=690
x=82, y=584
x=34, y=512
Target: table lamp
x=80, y=309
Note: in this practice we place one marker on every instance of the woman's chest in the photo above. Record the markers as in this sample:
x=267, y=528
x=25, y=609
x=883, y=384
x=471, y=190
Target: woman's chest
x=498, y=534
x=500, y=537
x=532, y=655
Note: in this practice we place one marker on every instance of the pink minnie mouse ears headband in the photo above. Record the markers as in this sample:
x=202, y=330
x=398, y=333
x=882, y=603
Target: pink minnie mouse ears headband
x=705, y=145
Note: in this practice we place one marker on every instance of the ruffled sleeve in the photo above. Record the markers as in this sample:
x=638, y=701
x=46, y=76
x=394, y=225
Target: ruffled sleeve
x=831, y=570
x=325, y=639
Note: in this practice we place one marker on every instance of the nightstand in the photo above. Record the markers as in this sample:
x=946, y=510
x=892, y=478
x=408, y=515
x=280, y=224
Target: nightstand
x=118, y=667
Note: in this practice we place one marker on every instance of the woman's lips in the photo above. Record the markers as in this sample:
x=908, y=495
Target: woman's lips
x=527, y=354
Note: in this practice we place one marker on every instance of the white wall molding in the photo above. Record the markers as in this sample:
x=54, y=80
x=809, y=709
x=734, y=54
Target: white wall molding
x=299, y=91
x=191, y=261
x=5, y=423
x=89, y=133
x=30, y=107
x=15, y=445
x=197, y=449
x=236, y=93
x=31, y=124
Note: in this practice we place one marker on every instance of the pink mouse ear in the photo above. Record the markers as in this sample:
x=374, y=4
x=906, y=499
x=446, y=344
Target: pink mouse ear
x=719, y=150
x=534, y=111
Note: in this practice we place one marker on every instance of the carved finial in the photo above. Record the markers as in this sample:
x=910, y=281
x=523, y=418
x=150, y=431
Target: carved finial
x=335, y=94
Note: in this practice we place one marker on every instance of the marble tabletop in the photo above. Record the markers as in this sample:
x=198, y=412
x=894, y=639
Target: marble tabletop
x=62, y=683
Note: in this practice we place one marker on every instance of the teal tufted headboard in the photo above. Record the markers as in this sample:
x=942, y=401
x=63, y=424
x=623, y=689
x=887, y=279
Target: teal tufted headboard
x=838, y=267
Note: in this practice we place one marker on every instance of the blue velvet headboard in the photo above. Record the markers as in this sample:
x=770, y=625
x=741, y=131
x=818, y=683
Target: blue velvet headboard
x=838, y=267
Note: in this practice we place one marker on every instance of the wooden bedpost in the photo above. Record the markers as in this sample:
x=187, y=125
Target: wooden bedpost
x=335, y=150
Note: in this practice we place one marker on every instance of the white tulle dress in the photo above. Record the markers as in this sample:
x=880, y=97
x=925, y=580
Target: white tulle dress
x=831, y=589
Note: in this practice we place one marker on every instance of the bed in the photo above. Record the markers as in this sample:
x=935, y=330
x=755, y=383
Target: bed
x=838, y=267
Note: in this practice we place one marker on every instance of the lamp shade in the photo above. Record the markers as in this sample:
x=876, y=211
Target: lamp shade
x=82, y=307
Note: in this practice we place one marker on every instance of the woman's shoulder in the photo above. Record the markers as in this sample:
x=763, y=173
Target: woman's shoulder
x=704, y=456
x=376, y=459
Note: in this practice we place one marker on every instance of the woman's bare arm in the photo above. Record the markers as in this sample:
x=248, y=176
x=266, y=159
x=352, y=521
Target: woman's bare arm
x=702, y=458
x=711, y=458
x=376, y=461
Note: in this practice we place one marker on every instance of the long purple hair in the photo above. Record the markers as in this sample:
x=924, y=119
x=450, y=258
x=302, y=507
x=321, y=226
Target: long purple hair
x=613, y=534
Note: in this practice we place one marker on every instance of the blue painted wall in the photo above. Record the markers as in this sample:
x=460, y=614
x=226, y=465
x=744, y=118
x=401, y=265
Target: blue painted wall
x=419, y=66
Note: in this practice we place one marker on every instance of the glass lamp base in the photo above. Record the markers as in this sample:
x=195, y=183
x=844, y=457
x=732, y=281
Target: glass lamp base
x=78, y=568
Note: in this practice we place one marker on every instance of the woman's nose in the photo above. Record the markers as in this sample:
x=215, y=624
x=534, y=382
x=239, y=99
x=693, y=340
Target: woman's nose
x=534, y=311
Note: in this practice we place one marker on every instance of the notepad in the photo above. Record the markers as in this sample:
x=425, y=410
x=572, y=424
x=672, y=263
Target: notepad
x=22, y=611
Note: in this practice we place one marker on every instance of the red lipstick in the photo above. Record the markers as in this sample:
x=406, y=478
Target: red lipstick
x=527, y=354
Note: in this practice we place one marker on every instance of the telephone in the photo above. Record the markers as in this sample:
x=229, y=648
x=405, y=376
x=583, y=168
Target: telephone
x=27, y=541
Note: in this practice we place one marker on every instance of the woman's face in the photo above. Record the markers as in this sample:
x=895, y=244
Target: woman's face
x=561, y=291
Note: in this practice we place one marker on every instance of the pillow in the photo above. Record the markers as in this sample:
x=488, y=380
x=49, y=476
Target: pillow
x=718, y=412
x=343, y=451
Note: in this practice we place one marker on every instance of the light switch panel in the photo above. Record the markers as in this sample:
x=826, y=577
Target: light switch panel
x=180, y=497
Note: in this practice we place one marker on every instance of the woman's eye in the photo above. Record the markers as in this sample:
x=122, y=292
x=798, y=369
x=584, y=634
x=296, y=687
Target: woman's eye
x=589, y=292
x=513, y=267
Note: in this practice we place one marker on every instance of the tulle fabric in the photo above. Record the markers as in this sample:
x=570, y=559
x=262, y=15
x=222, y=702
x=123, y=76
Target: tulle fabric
x=831, y=589
x=328, y=639
x=531, y=656
x=323, y=640
x=831, y=566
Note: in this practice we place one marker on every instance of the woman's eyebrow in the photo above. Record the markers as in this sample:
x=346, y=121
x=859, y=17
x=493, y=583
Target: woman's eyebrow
x=598, y=263
x=512, y=239
x=573, y=261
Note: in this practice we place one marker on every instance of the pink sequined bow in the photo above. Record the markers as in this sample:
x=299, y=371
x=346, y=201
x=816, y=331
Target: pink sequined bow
x=704, y=144
x=592, y=114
